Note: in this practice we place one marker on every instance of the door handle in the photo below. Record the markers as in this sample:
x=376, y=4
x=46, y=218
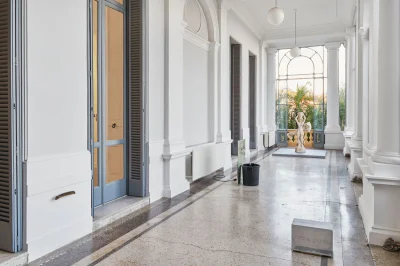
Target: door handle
x=69, y=193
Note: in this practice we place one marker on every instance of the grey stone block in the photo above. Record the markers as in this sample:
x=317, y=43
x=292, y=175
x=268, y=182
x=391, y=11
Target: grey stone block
x=312, y=237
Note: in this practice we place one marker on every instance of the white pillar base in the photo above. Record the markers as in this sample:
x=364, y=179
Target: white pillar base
x=334, y=139
x=175, y=181
x=378, y=204
x=354, y=167
x=347, y=137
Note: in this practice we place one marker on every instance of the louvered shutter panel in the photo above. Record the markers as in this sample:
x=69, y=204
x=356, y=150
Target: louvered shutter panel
x=235, y=96
x=252, y=101
x=6, y=223
x=135, y=75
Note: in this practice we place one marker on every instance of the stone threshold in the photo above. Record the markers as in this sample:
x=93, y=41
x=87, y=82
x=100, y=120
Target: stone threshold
x=13, y=259
x=108, y=213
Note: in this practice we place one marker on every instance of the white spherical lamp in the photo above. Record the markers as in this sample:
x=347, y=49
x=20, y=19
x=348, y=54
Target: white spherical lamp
x=295, y=52
x=275, y=16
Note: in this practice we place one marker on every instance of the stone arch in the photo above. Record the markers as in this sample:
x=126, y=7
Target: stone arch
x=211, y=17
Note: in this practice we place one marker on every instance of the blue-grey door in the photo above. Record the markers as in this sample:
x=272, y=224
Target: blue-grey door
x=10, y=192
x=108, y=100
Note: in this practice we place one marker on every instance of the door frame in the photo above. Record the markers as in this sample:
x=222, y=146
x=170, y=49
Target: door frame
x=233, y=64
x=100, y=194
x=17, y=77
x=132, y=187
x=252, y=98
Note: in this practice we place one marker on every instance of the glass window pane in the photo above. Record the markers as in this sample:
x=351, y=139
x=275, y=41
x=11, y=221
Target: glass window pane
x=283, y=64
x=282, y=53
x=300, y=65
x=281, y=116
x=325, y=61
x=282, y=92
x=318, y=49
x=96, y=167
x=307, y=52
x=318, y=117
x=318, y=91
x=115, y=163
x=318, y=64
x=114, y=74
x=95, y=72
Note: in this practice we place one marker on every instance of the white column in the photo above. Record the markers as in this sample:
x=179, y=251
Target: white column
x=364, y=35
x=271, y=93
x=333, y=135
x=214, y=85
x=223, y=107
x=350, y=89
x=356, y=142
x=223, y=132
x=174, y=146
x=261, y=96
x=381, y=182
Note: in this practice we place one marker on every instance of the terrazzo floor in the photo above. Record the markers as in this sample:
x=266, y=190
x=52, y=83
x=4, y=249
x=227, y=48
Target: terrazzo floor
x=222, y=223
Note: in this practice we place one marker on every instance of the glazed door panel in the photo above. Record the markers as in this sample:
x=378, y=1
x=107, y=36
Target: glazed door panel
x=109, y=101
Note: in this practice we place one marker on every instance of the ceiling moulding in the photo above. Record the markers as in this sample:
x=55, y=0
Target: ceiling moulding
x=307, y=41
x=324, y=29
x=246, y=18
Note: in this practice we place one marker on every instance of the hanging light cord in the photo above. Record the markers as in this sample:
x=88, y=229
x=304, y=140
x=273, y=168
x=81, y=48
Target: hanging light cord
x=276, y=3
x=295, y=27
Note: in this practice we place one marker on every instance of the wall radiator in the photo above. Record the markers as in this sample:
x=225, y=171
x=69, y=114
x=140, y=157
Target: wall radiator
x=269, y=139
x=205, y=160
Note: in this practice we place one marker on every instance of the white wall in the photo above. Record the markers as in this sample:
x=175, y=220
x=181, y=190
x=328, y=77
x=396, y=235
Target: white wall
x=156, y=71
x=58, y=160
x=197, y=96
x=250, y=44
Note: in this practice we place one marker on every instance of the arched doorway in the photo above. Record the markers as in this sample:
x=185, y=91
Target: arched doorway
x=301, y=85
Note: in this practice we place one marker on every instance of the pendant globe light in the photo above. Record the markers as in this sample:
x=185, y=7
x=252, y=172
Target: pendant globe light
x=275, y=15
x=295, y=51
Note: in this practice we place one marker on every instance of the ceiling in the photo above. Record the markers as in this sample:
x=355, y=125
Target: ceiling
x=314, y=17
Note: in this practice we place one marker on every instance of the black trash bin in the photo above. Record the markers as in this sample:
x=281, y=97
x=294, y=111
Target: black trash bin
x=251, y=173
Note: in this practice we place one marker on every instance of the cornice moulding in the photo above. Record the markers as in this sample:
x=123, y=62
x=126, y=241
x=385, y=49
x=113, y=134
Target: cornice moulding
x=325, y=29
x=196, y=40
x=245, y=17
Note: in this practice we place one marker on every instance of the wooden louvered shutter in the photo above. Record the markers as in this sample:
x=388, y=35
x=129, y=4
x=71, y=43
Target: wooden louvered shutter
x=6, y=195
x=137, y=185
x=235, y=95
x=252, y=101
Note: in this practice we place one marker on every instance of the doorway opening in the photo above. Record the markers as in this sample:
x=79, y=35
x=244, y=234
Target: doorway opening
x=301, y=84
x=236, y=79
x=117, y=108
x=252, y=100
x=109, y=101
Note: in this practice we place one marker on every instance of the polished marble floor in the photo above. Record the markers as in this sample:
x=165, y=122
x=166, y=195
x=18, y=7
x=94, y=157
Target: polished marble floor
x=221, y=223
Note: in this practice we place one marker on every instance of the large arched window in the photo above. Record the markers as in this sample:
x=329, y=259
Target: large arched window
x=301, y=86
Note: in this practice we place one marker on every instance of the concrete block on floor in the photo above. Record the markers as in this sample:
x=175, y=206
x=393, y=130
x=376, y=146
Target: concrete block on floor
x=312, y=237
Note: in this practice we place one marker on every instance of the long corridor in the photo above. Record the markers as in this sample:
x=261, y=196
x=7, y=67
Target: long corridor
x=225, y=224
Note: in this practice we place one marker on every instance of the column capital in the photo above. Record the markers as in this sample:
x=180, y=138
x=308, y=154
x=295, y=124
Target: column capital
x=263, y=44
x=272, y=51
x=364, y=33
x=332, y=45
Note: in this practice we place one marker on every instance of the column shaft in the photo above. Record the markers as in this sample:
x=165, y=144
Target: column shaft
x=271, y=88
x=388, y=79
x=332, y=93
